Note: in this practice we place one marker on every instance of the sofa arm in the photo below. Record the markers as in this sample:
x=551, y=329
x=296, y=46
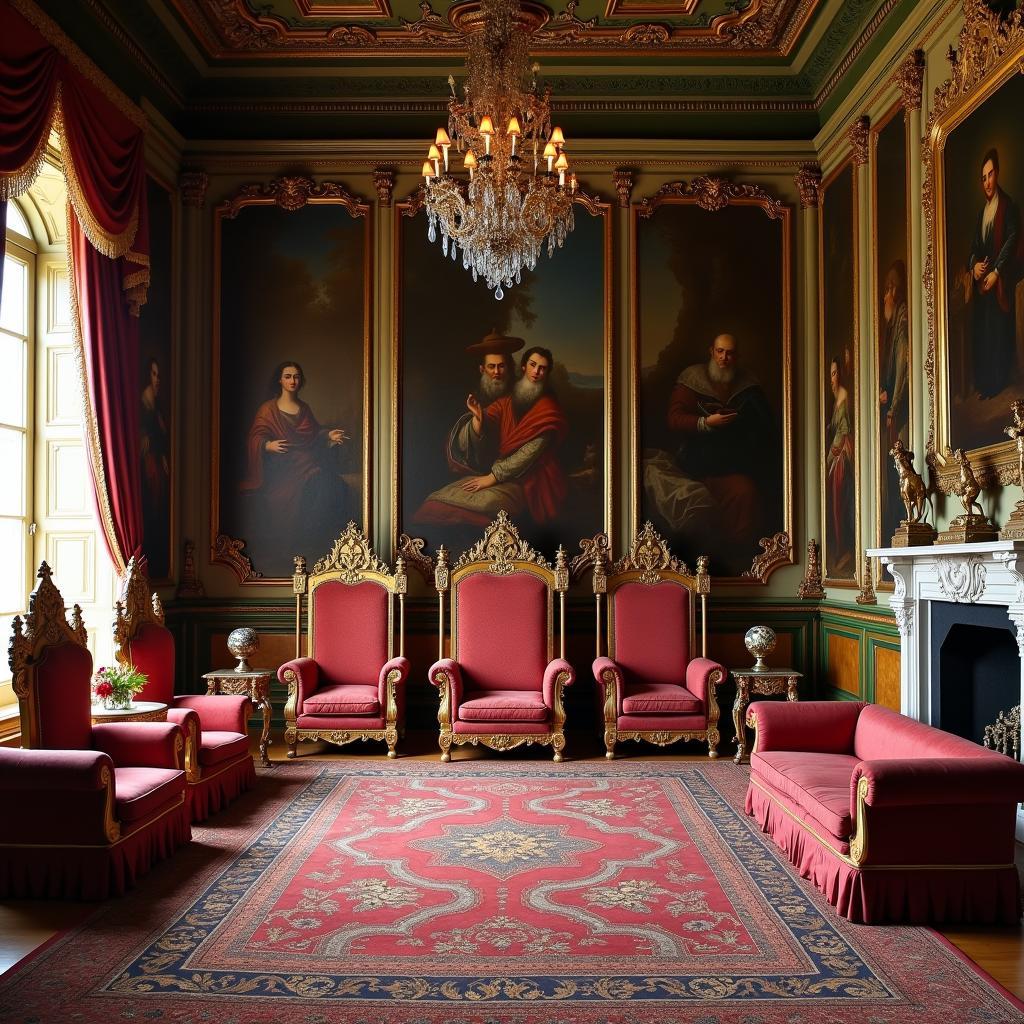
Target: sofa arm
x=606, y=670
x=701, y=675
x=188, y=721
x=815, y=726
x=558, y=673
x=304, y=673
x=218, y=713
x=901, y=782
x=447, y=677
x=395, y=665
x=141, y=744
x=51, y=770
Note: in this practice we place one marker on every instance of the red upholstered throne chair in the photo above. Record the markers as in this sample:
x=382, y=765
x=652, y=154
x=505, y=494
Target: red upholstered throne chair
x=88, y=808
x=501, y=686
x=218, y=765
x=652, y=684
x=351, y=686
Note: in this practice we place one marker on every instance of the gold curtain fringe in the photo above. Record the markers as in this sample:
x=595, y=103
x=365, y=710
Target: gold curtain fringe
x=136, y=291
x=18, y=182
x=92, y=433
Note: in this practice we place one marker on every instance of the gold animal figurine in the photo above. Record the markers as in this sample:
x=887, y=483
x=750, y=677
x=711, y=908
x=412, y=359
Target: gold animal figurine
x=912, y=487
x=1014, y=528
x=967, y=487
x=972, y=525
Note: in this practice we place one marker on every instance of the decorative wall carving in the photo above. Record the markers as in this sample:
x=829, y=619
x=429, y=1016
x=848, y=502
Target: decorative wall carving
x=808, y=184
x=623, y=180
x=810, y=586
x=909, y=78
x=712, y=193
x=384, y=183
x=193, y=185
x=776, y=551
x=962, y=580
x=292, y=193
x=858, y=134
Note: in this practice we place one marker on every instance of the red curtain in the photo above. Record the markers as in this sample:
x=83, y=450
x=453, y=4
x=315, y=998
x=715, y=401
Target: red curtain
x=44, y=80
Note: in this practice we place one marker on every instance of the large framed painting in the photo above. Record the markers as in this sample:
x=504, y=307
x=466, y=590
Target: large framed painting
x=837, y=305
x=158, y=331
x=504, y=404
x=291, y=388
x=973, y=196
x=892, y=318
x=711, y=281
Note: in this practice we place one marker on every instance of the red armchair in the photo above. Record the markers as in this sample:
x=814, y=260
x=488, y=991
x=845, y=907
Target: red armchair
x=501, y=686
x=218, y=765
x=88, y=809
x=652, y=686
x=350, y=686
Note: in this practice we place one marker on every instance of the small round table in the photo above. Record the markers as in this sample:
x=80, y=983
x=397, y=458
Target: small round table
x=254, y=684
x=138, y=711
x=764, y=682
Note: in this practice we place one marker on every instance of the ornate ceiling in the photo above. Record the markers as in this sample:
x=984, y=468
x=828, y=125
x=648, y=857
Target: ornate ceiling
x=367, y=68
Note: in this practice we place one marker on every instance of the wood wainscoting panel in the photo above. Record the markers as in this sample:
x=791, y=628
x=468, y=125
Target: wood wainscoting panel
x=843, y=662
x=887, y=675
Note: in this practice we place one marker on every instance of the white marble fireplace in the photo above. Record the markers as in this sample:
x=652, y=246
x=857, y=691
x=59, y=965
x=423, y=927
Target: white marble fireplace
x=966, y=574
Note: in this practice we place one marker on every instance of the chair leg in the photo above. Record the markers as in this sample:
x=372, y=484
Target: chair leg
x=291, y=738
x=609, y=742
x=558, y=742
x=391, y=738
x=713, y=738
x=445, y=741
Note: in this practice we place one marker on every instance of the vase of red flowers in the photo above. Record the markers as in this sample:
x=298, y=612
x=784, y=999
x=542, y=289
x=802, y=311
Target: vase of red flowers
x=115, y=686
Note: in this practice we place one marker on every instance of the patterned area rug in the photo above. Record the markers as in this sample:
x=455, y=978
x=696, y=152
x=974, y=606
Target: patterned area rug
x=491, y=891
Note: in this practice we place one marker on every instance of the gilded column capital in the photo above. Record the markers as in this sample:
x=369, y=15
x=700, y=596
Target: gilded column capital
x=193, y=185
x=858, y=136
x=384, y=183
x=909, y=78
x=808, y=183
x=623, y=179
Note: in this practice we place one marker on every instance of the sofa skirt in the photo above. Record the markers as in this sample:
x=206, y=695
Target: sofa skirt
x=215, y=791
x=890, y=895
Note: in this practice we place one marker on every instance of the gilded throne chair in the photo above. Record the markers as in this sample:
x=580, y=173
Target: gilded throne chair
x=350, y=685
x=501, y=686
x=88, y=808
x=218, y=765
x=652, y=686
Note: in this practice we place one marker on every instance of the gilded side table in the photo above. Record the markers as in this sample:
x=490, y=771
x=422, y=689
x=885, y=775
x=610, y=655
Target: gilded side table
x=254, y=684
x=764, y=682
x=137, y=711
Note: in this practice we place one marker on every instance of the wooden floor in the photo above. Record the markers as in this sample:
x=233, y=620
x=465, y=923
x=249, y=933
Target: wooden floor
x=24, y=926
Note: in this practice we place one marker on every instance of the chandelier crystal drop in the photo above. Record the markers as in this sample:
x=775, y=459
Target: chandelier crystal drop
x=519, y=194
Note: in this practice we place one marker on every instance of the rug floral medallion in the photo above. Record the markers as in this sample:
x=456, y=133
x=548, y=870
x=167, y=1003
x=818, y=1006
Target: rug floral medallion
x=375, y=891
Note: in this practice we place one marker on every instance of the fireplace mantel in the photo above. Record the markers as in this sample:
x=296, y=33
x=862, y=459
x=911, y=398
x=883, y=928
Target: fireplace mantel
x=989, y=573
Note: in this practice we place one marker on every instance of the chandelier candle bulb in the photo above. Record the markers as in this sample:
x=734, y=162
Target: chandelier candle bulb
x=550, y=153
x=557, y=138
x=427, y=170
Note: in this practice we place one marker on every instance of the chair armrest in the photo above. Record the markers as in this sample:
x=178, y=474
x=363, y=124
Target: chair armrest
x=399, y=665
x=141, y=744
x=701, y=675
x=901, y=782
x=558, y=672
x=219, y=713
x=444, y=670
x=306, y=674
x=816, y=726
x=191, y=729
x=52, y=770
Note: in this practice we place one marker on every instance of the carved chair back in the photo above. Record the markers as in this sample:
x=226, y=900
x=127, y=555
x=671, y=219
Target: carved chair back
x=502, y=596
x=652, y=600
x=141, y=638
x=350, y=628
x=52, y=671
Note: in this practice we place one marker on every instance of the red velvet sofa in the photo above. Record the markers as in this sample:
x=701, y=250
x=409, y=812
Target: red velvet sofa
x=891, y=819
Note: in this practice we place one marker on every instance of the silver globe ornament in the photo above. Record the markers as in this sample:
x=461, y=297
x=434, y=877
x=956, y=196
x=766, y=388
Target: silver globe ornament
x=760, y=640
x=242, y=643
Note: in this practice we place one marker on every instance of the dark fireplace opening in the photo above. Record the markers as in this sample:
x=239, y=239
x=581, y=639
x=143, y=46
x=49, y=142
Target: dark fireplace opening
x=975, y=667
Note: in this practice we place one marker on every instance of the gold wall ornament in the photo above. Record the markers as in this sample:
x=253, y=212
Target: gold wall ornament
x=909, y=79
x=412, y=550
x=810, y=586
x=190, y=584
x=229, y=551
x=712, y=193
x=913, y=531
x=292, y=193
x=858, y=134
x=775, y=551
x=193, y=185
x=622, y=177
x=351, y=557
x=594, y=552
x=1014, y=528
x=867, y=586
x=808, y=184
x=501, y=545
x=384, y=183
x=971, y=526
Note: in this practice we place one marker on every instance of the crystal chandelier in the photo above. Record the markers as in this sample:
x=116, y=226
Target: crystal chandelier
x=519, y=194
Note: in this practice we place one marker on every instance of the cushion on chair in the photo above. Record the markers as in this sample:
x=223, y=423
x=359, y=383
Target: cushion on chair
x=217, y=747
x=62, y=690
x=350, y=631
x=660, y=698
x=502, y=631
x=503, y=706
x=345, y=699
x=152, y=651
x=818, y=783
x=651, y=626
x=140, y=792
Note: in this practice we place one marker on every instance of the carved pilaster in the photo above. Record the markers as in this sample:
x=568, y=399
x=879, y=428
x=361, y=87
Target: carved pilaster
x=808, y=184
x=193, y=185
x=384, y=183
x=623, y=179
x=858, y=138
x=909, y=78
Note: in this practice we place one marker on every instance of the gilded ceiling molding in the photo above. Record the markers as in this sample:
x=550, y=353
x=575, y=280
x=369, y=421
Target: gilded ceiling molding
x=775, y=551
x=384, y=183
x=193, y=185
x=666, y=8
x=293, y=193
x=909, y=79
x=712, y=194
x=866, y=35
x=857, y=135
x=808, y=184
x=623, y=180
x=352, y=9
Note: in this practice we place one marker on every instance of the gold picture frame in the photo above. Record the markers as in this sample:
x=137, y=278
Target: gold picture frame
x=289, y=194
x=989, y=57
